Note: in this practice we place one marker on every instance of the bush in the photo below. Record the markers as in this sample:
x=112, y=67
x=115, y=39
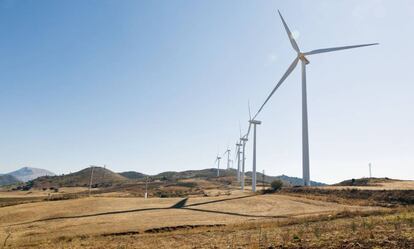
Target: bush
x=276, y=185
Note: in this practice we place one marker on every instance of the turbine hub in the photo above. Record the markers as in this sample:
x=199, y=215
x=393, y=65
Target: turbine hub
x=303, y=58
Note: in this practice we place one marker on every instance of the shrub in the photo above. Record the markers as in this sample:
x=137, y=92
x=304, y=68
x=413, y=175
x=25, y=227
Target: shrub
x=276, y=185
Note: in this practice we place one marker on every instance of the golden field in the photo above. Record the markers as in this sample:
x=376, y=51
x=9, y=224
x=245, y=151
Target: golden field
x=221, y=219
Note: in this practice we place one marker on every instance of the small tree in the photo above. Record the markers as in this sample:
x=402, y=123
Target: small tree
x=276, y=185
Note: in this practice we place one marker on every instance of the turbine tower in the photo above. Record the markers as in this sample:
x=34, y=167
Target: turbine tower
x=238, y=145
x=218, y=165
x=228, y=157
x=304, y=61
x=244, y=140
x=254, y=123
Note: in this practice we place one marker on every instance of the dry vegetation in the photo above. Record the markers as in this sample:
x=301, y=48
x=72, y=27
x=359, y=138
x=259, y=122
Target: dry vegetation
x=213, y=218
x=369, y=229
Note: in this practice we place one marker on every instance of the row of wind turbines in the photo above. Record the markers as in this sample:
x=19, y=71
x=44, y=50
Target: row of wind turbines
x=241, y=142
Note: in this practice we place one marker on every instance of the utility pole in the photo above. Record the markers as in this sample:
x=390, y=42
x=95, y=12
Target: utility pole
x=90, y=181
x=146, y=188
x=103, y=175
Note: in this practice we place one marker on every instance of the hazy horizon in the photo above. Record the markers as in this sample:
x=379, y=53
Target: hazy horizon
x=162, y=86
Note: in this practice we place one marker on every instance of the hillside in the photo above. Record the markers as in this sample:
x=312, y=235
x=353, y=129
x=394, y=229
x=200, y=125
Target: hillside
x=212, y=173
x=203, y=173
x=364, y=182
x=7, y=180
x=133, y=175
x=27, y=173
x=287, y=180
x=101, y=178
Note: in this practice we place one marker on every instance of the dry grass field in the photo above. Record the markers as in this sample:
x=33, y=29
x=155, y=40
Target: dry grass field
x=43, y=224
x=318, y=217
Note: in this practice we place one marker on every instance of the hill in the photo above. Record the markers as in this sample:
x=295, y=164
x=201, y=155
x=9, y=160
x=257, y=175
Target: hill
x=287, y=180
x=102, y=177
x=212, y=173
x=203, y=173
x=27, y=173
x=133, y=175
x=364, y=181
x=8, y=179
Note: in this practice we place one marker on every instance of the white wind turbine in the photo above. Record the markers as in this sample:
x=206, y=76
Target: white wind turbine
x=228, y=157
x=218, y=158
x=238, y=145
x=302, y=57
x=254, y=123
x=244, y=141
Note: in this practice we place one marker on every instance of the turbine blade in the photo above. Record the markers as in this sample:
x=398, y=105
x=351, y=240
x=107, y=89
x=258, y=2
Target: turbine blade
x=291, y=39
x=288, y=71
x=250, y=114
x=240, y=129
x=248, y=131
x=326, y=50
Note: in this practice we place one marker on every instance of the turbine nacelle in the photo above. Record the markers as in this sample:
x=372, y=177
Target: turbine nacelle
x=302, y=57
x=255, y=122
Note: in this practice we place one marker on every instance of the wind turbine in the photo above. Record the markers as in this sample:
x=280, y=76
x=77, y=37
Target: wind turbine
x=218, y=165
x=302, y=57
x=244, y=141
x=228, y=157
x=254, y=123
x=238, y=145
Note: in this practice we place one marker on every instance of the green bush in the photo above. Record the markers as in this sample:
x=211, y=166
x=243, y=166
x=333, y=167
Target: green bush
x=276, y=185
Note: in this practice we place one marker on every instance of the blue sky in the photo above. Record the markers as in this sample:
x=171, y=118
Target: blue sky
x=155, y=86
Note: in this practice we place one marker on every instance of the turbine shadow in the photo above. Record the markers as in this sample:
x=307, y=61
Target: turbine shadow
x=179, y=205
x=235, y=214
x=221, y=200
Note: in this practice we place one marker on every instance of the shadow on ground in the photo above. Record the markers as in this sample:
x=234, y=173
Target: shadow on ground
x=179, y=205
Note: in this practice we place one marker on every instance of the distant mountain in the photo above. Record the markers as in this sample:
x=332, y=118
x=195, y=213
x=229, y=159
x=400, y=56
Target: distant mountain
x=8, y=179
x=101, y=177
x=133, y=175
x=27, y=173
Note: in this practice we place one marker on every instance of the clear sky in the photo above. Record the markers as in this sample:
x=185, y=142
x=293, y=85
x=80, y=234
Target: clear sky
x=156, y=86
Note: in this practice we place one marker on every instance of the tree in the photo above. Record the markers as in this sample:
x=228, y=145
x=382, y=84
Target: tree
x=276, y=185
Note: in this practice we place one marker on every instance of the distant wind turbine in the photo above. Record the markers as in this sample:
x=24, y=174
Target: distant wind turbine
x=228, y=157
x=302, y=57
x=244, y=141
x=218, y=165
x=238, y=145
